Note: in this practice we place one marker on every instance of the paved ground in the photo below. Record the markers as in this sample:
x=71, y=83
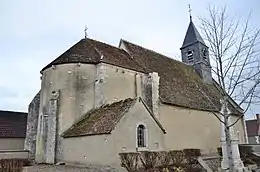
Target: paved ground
x=66, y=168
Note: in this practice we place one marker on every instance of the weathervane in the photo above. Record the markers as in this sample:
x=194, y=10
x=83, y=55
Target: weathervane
x=190, y=12
x=85, y=30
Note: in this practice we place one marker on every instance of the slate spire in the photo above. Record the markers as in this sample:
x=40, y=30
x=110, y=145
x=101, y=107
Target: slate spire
x=192, y=36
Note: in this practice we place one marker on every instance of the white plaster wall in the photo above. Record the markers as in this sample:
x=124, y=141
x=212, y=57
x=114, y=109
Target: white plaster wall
x=105, y=149
x=11, y=143
x=187, y=128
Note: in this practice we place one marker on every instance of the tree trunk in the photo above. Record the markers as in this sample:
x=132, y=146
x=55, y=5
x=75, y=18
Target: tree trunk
x=228, y=136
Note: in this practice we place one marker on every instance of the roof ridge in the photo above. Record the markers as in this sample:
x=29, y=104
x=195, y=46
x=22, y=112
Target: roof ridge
x=96, y=49
x=147, y=49
x=113, y=46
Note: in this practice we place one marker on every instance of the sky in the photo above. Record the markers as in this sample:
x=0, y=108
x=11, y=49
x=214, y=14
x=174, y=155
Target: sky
x=34, y=32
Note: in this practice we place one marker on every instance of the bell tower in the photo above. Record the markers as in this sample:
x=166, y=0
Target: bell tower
x=194, y=52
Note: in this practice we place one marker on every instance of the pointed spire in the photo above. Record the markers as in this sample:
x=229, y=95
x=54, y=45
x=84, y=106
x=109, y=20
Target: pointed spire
x=192, y=34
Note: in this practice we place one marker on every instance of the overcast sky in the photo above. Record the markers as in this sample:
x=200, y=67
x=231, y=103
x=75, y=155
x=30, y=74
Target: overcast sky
x=33, y=33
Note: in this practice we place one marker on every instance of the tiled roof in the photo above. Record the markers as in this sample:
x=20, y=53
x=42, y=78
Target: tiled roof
x=252, y=127
x=101, y=120
x=179, y=83
x=13, y=124
x=91, y=51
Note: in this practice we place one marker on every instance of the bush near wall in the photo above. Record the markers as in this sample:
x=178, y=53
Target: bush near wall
x=13, y=165
x=176, y=160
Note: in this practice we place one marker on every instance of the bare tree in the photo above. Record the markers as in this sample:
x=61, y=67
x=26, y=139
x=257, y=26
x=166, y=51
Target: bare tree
x=235, y=56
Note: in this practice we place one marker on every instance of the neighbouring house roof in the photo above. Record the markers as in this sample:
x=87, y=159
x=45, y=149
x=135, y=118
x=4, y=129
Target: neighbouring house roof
x=252, y=127
x=104, y=119
x=13, y=124
x=192, y=36
x=179, y=83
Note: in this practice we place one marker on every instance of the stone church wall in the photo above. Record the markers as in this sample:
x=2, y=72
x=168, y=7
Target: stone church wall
x=75, y=84
x=189, y=128
x=32, y=123
x=119, y=83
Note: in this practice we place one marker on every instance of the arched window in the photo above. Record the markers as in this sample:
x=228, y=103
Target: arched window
x=190, y=56
x=141, y=136
x=205, y=53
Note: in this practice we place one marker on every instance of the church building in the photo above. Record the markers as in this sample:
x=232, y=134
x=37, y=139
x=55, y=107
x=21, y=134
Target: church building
x=97, y=101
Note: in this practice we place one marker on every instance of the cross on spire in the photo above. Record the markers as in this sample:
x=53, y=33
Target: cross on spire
x=190, y=12
x=85, y=30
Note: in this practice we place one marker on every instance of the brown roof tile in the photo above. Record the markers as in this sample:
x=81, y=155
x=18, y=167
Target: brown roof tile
x=13, y=124
x=91, y=51
x=100, y=121
x=179, y=83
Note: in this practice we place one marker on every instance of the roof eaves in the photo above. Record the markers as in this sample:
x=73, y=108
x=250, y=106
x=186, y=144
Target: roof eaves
x=181, y=106
x=13, y=112
x=189, y=44
x=82, y=135
x=230, y=100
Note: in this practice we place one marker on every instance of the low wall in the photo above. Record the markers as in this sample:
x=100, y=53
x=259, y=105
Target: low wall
x=11, y=143
x=255, y=147
x=14, y=154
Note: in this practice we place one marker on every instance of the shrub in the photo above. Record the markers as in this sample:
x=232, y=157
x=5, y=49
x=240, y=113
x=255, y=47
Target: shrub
x=192, y=155
x=129, y=161
x=12, y=165
x=177, y=158
x=149, y=159
x=163, y=159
